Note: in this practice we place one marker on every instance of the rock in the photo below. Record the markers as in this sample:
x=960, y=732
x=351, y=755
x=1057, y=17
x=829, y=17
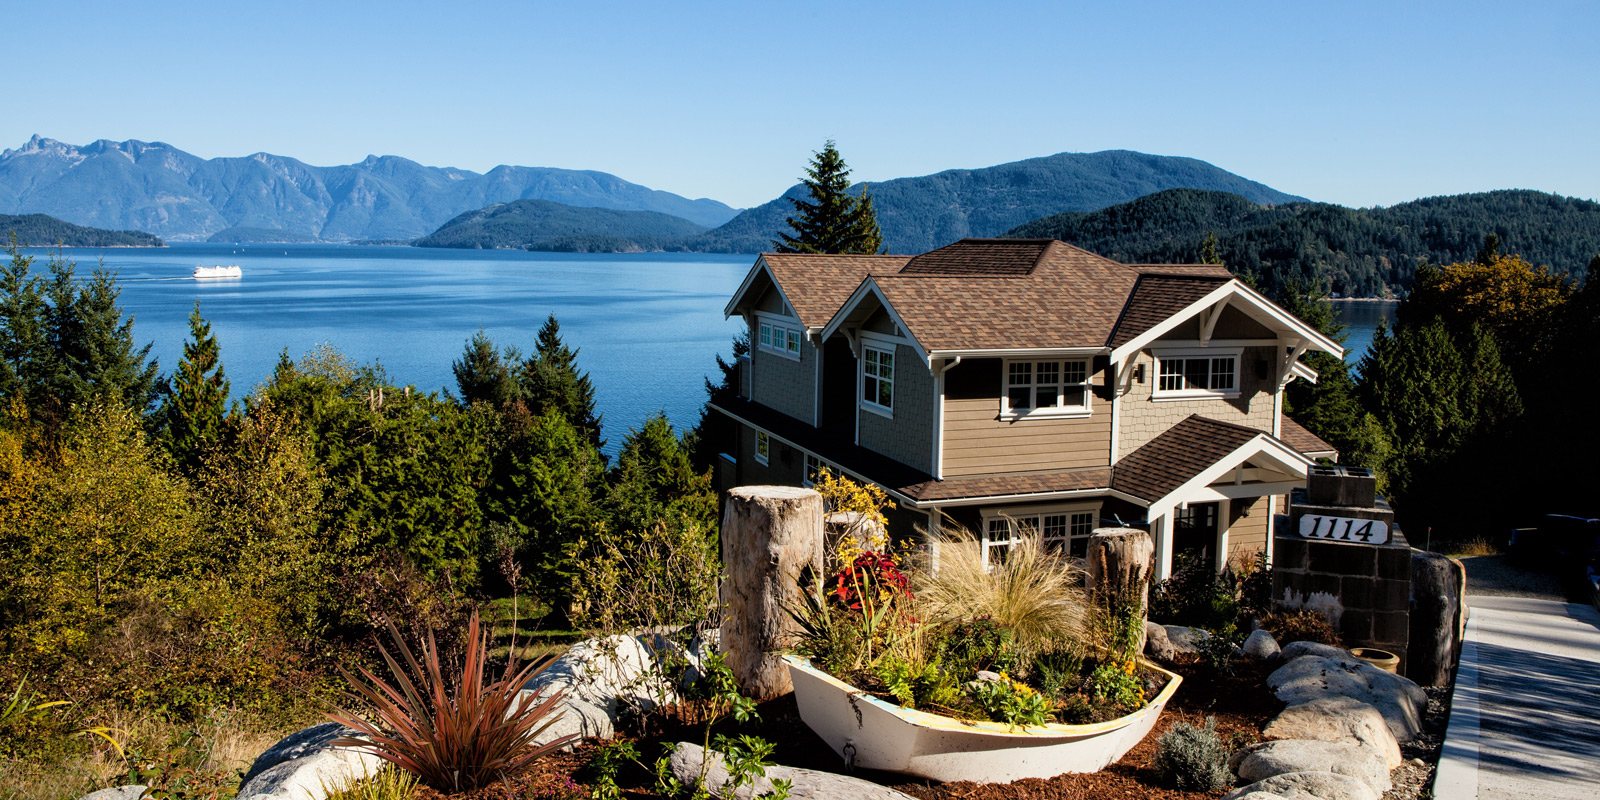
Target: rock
x=770, y=535
x=807, y=784
x=1337, y=719
x=1417, y=762
x=1262, y=761
x=601, y=677
x=985, y=676
x=1260, y=646
x=1156, y=643
x=1294, y=650
x=129, y=792
x=1311, y=677
x=305, y=765
x=1306, y=786
x=1186, y=640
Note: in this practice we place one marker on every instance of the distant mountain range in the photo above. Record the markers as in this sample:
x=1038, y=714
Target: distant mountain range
x=156, y=187
x=543, y=225
x=1359, y=252
x=40, y=230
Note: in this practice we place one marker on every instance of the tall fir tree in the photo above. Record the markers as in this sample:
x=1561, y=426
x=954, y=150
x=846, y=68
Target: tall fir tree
x=655, y=481
x=483, y=375
x=551, y=379
x=24, y=352
x=832, y=221
x=92, y=352
x=194, y=403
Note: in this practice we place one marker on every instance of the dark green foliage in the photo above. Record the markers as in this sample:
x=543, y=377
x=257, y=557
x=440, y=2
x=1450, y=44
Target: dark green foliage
x=195, y=401
x=551, y=380
x=49, y=230
x=24, y=351
x=654, y=480
x=1196, y=595
x=1331, y=408
x=1355, y=252
x=541, y=224
x=832, y=220
x=91, y=349
x=483, y=375
x=715, y=433
x=1192, y=759
x=976, y=644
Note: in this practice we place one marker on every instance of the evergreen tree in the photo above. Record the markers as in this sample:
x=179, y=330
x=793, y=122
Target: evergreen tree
x=832, y=221
x=550, y=379
x=92, y=353
x=482, y=375
x=23, y=349
x=654, y=481
x=715, y=433
x=1208, y=249
x=194, y=404
x=1330, y=407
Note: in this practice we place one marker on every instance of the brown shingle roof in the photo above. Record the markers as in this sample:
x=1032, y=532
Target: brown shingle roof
x=817, y=285
x=1157, y=296
x=994, y=258
x=1177, y=455
x=1307, y=443
x=1006, y=485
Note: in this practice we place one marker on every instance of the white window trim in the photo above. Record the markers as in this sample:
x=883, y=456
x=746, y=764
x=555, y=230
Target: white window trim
x=1158, y=394
x=807, y=459
x=1087, y=409
x=760, y=437
x=872, y=405
x=1017, y=516
x=791, y=330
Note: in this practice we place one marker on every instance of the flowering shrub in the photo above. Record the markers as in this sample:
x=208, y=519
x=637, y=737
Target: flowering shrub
x=863, y=505
x=871, y=578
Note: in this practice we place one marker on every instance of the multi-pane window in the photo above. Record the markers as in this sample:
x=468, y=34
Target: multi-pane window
x=814, y=467
x=779, y=339
x=1199, y=374
x=1059, y=530
x=877, y=377
x=763, y=447
x=1045, y=385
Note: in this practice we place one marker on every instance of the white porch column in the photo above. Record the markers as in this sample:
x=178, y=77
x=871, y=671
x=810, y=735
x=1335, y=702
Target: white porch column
x=1223, y=511
x=1163, y=540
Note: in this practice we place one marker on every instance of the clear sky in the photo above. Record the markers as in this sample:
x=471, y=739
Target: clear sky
x=1348, y=102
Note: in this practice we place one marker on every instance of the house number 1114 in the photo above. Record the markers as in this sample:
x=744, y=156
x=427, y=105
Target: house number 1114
x=1344, y=529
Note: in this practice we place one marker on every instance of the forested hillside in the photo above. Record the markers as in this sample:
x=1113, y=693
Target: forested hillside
x=1360, y=252
x=41, y=230
x=545, y=225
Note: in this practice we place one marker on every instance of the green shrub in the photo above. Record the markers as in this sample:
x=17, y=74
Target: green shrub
x=1301, y=626
x=978, y=643
x=1196, y=595
x=1057, y=672
x=919, y=687
x=1217, y=648
x=1010, y=702
x=1118, y=683
x=1192, y=759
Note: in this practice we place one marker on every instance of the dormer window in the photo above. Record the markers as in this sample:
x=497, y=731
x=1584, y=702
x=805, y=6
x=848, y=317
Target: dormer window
x=1045, y=388
x=776, y=337
x=1197, y=373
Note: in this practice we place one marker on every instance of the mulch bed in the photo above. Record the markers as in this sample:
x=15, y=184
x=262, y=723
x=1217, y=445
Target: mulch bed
x=1240, y=704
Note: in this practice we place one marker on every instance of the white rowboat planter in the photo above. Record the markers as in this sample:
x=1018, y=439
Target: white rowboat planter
x=873, y=734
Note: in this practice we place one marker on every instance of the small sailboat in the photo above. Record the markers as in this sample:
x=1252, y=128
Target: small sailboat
x=230, y=271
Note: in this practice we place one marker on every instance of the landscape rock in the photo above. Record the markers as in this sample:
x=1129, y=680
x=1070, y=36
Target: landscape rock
x=1313, y=677
x=1262, y=761
x=1260, y=646
x=305, y=765
x=1156, y=643
x=1306, y=786
x=1186, y=640
x=601, y=677
x=1294, y=650
x=807, y=784
x=129, y=792
x=1337, y=719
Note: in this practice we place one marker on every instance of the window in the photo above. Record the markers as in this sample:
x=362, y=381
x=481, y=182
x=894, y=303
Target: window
x=814, y=468
x=1065, y=529
x=877, y=378
x=779, y=339
x=1046, y=387
x=763, y=447
x=1189, y=375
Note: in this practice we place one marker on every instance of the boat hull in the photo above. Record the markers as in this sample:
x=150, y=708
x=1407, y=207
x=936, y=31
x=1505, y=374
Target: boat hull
x=872, y=734
x=205, y=273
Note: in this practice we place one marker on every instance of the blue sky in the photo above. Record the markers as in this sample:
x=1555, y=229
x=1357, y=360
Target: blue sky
x=1354, y=103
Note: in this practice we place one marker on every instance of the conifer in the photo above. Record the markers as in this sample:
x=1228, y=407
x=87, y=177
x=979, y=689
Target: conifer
x=832, y=221
x=23, y=351
x=482, y=375
x=194, y=404
x=551, y=379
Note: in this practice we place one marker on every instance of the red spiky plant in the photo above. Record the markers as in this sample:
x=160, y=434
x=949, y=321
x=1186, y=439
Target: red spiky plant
x=456, y=738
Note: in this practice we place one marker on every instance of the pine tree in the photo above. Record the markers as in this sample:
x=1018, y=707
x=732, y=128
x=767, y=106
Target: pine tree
x=194, y=404
x=832, y=221
x=550, y=379
x=92, y=354
x=1208, y=249
x=23, y=350
x=482, y=375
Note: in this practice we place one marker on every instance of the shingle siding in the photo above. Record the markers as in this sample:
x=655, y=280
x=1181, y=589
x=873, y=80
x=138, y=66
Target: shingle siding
x=783, y=383
x=908, y=437
x=1144, y=419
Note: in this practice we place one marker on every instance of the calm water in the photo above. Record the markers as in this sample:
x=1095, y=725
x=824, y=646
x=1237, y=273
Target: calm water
x=1361, y=318
x=648, y=326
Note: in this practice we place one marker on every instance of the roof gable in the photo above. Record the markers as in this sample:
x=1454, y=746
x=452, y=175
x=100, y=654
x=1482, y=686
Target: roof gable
x=813, y=285
x=1156, y=297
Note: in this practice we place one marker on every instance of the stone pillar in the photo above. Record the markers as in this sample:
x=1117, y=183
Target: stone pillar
x=770, y=534
x=1437, y=583
x=1119, y=563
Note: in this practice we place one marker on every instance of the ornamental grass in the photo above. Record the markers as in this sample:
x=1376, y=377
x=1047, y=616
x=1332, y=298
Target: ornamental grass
x=1035, y=592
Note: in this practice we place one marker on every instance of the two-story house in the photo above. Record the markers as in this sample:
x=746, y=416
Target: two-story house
x=1003, y=384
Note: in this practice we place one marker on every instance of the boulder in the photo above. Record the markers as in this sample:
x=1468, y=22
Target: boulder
x=1186, y=640
x=687, y=760
x=601, y=677
x=1294, y=650
x=1156, y=643
x=306, y=764
x=1306, y=786
x=1262, y=761
x=1337, y=719
x=1312, y=677
x=1260, y=646
x=129, y=792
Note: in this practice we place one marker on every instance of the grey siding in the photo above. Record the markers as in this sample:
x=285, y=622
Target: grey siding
x=784, y=384
x=908, y=438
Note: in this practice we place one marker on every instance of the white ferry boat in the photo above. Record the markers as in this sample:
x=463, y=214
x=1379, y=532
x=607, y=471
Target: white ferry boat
x=231, y=271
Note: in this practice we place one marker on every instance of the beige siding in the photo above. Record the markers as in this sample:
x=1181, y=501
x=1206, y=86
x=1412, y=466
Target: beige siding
x=908, y=437
x=1247, y=531
x=977, y=441
x=1143, y=418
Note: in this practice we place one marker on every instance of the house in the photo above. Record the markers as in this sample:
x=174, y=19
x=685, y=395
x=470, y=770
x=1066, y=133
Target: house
x=1003, y=384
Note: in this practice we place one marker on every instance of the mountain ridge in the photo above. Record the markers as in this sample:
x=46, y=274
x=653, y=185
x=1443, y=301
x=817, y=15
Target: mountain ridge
x=526, y=224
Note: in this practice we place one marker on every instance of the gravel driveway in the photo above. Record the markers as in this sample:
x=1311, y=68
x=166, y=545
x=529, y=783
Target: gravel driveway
x=1496, y=576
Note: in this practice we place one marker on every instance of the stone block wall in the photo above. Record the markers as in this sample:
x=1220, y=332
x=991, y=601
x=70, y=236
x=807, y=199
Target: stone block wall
x=1364, y=590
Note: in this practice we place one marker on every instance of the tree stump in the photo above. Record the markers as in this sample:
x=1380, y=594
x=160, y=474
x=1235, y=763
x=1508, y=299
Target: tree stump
x=1437, y=585
x=770, y=534
x=1119, y=564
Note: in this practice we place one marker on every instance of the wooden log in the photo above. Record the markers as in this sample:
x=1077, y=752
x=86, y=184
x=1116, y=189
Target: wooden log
x=770, y=534
x=1119, y=563
x=1437, y=585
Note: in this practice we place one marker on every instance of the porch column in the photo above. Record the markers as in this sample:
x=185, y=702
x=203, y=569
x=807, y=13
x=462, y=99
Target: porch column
x=1163, y=540
x=1224, y=510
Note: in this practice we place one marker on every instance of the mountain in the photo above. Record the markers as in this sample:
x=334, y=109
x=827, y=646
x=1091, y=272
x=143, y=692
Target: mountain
x=244, y=234
x=41, y=230
x=525, y=224
x=1359, y=252
x=920, y=214
x=157, y=187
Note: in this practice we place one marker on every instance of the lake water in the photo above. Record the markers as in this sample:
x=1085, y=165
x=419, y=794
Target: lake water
x=1361, y=318
x=648, y=326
